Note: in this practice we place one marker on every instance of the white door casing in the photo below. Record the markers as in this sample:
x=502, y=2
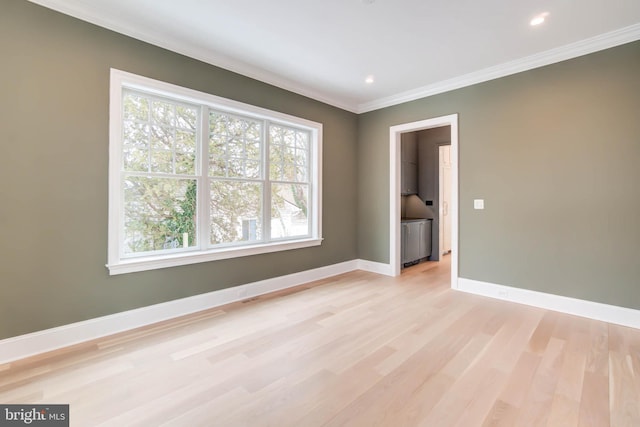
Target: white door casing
x=394, y=190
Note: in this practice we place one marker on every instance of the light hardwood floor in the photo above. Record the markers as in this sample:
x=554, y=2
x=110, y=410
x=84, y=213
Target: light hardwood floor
x=355, y=350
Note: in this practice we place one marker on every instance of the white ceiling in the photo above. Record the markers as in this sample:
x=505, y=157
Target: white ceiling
x=325, y=49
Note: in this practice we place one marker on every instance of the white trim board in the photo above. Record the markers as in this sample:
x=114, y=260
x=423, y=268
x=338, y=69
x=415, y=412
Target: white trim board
x=562, y=53
x=87, y=13
x=395, y=133
x=22, y=346
x=375, y=267
x=589, y=309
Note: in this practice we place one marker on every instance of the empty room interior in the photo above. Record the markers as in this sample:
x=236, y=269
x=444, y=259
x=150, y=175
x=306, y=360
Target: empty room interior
x=357, y=212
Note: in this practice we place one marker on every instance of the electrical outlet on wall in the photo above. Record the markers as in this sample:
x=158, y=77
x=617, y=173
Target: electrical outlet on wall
x=478, y=204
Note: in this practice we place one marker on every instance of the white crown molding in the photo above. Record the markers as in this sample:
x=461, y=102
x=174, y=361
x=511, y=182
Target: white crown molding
x=562, y=53
x=589, y=309
x=22, y=346
x=584, y=47
x=85, y=13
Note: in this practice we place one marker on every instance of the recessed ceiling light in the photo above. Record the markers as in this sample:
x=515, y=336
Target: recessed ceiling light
x=369, y=80
x=538, y=19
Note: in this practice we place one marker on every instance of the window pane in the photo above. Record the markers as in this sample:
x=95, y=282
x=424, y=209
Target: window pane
x=236, y=212
x=276, y=156
x=302, y=173
x=186, y=141
x=136, y=160
x=217, y=158
x=161, y=138
x=158, y=136
x=186, y=117
x=289, y=207
x=236, y=127
x=185, y=163
x=136, y=134
x=289, y=137
x=302, y=140
x=288, y=164
x=136, y=107
x=235, y=168
x=159, y=213
x=135, y=144
x=253, y=150
x=254, y=131
x=162, y=161
x=252, y=169
x=288, y=154
x=301, y=157
x=235, y=146
x=163, y=113
x=218, y=123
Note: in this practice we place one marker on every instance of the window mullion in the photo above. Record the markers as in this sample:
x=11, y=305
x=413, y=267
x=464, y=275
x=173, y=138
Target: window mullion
x=204, y=193
x=266, y=192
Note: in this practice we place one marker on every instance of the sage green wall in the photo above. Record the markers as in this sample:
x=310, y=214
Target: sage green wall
x=555, y=153
x=54, y=100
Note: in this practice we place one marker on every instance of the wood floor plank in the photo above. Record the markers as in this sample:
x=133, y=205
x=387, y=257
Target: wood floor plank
x=565, y=409
x=594, y=404
x=502, y=414
x=478, y=407
x=624, y=377
x=517, y=388
x=542, y=335
x=358, y=349
x=536, y=407
x=564, y=412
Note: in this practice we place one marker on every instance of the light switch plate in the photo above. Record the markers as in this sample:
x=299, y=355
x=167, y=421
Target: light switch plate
x=478, y=204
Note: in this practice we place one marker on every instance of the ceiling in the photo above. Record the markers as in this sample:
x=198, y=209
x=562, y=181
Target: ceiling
x=325, y=49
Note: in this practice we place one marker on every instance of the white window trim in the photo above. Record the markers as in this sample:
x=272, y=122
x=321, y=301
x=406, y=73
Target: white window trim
x=120, y=265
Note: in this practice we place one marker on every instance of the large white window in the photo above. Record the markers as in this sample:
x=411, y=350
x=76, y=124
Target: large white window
x=194, y=177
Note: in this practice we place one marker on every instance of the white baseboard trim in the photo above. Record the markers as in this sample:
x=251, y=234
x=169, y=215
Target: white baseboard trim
x=592, y=310
x=375, y=267
x=22, y=346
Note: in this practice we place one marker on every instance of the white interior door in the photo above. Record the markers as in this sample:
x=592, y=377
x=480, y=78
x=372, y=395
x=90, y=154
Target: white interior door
x=445, y=199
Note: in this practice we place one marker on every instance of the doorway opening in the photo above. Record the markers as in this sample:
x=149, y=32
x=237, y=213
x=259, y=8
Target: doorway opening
x=395, y=133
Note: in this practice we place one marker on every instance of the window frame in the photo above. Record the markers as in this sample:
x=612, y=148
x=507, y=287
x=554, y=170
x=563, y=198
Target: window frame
x=120, y=264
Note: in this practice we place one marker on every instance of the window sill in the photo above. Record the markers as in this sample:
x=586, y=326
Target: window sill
x=156, y=262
